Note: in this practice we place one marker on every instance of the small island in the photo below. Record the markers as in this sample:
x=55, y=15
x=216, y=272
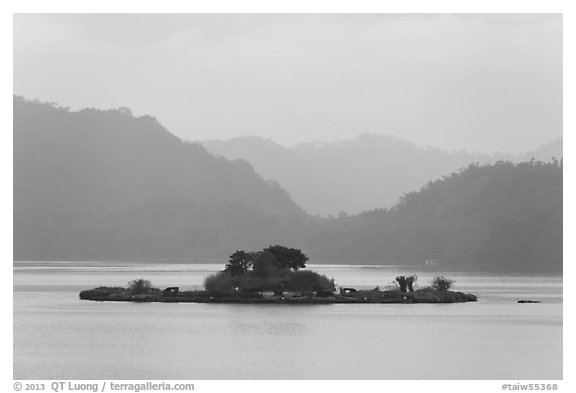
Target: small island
x=277, y=275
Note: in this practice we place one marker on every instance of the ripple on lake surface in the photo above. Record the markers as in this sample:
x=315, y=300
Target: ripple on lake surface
x=58, y=336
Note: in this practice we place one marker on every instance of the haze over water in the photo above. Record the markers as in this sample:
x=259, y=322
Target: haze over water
x=59, y=336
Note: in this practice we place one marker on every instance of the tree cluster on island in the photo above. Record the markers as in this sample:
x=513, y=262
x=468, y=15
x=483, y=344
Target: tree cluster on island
x=275, y=268
x=281, y=272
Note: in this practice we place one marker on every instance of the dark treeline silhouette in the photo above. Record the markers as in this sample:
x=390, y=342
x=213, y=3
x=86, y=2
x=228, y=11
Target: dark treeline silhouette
x=104, y=185
x=99, y=184
x=502, y=216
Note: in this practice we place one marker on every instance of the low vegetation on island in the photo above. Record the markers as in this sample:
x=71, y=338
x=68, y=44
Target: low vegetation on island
x=278, y=274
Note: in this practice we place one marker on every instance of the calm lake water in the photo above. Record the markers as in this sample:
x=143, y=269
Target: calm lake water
x=58, y=336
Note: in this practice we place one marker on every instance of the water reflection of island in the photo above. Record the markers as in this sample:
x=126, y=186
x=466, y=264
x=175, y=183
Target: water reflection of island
x=274, y=275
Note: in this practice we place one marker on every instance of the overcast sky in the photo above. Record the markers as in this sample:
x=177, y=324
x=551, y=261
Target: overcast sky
x=475, y=82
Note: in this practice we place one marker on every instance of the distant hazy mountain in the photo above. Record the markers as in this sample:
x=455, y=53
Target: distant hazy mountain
x=81, y=177
x=367, y=172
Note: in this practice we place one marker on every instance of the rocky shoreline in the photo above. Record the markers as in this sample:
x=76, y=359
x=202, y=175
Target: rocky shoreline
x=426, y=295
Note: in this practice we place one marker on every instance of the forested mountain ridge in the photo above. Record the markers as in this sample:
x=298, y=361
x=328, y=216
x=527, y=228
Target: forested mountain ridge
x=500, y=217
x=105, y=185
x=75, y=172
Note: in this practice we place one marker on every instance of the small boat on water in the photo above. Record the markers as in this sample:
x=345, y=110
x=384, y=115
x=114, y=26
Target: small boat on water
x=528, y=301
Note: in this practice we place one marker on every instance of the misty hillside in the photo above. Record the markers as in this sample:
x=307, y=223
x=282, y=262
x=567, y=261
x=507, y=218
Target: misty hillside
x=500, y=217
x=105, y=185
x=545, y=152
x=367, y=172
x=77, y=172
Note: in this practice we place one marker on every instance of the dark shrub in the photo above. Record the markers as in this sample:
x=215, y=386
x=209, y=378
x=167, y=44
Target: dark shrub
x=219, y=283
x=102, y=293
x=306, y=280
x=140, y=287
x=324, y=293
x=219, y=295
x=431, y=295
x=376, y=294
x=254, y=283
x=441, y=283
